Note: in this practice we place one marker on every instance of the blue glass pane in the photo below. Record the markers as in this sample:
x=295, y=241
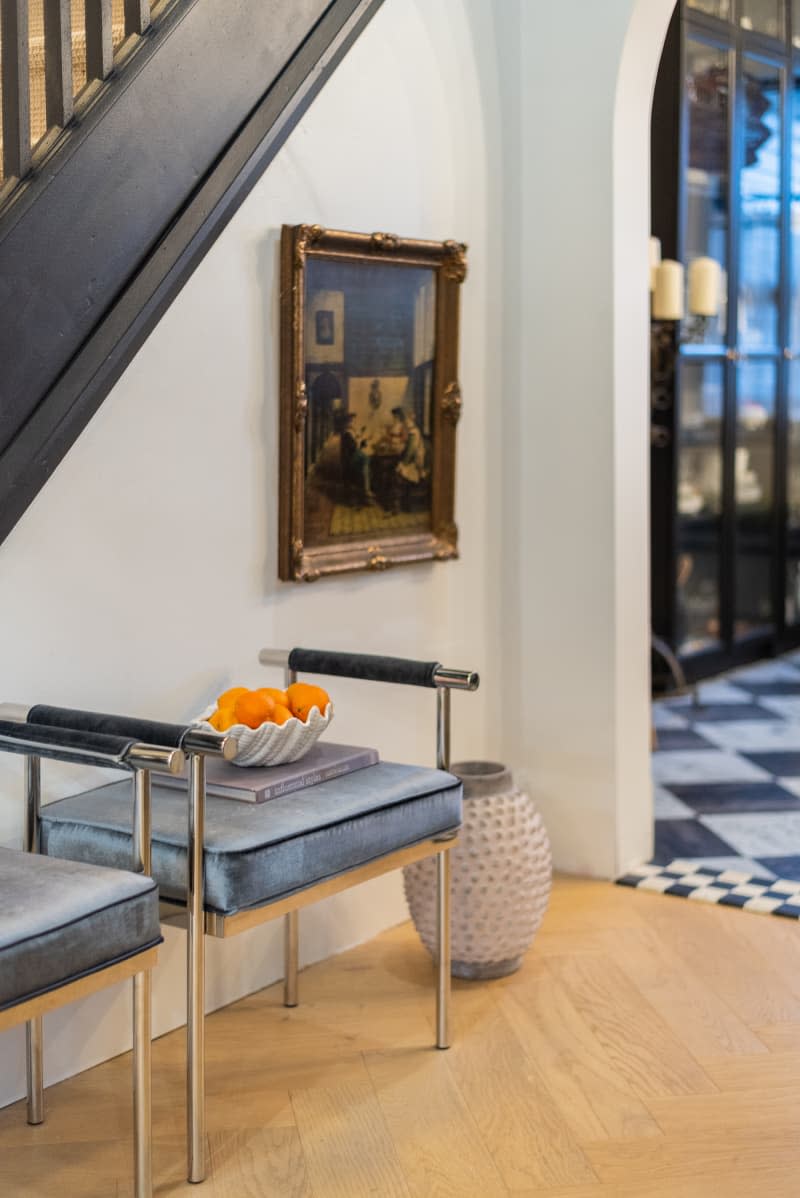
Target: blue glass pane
x=754, y=482
x=760, y=199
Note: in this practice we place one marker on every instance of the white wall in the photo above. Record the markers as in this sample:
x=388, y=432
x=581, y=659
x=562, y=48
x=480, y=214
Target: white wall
x=143, y=578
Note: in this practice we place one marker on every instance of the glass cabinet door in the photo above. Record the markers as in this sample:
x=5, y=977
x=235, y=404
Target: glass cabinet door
x=727, y=490
x=699, y=505
x=792, y=582
x=792, y=590
x=758, y=322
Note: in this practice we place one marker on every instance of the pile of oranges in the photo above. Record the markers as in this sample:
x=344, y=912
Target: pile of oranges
x=267, y=705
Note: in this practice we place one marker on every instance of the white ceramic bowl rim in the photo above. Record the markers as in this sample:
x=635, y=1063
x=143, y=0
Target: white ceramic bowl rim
x=275, y=744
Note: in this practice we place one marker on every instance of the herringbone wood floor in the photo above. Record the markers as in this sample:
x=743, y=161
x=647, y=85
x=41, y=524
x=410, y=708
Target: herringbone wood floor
x=649, y=1048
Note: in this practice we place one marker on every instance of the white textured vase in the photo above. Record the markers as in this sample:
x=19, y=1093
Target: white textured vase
x=501, y=876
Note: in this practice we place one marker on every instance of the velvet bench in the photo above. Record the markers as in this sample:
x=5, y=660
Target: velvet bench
x=225, y=866
x=68, y=929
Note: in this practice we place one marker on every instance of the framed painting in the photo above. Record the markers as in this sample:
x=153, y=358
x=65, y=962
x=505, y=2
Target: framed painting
x=369, y=400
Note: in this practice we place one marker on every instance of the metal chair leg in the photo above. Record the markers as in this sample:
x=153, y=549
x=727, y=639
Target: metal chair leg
x=34, y=1070
x=291, y=948
x=142, y=1097
x=443, y=945
x=34, y=1035
x=195, y=980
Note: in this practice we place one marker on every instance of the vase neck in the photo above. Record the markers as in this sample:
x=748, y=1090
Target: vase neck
x=483, y=778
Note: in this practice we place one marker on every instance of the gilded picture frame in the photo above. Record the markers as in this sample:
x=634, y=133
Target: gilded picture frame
x=369, y=402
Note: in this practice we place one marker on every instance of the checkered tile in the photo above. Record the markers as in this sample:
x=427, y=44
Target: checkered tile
x=727, y=795
x=726, y=888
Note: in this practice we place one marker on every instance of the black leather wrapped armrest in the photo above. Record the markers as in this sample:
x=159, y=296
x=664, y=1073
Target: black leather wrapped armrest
x=151, y=732
x=64, y=744
x=369, y=667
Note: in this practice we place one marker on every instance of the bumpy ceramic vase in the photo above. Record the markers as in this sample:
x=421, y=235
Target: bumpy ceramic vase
x=502, y=873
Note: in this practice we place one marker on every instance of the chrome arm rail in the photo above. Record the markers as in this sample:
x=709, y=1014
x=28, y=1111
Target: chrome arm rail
x=456, y=680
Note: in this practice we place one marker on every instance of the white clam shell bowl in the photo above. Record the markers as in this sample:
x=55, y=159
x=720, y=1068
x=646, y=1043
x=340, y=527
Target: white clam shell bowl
x=274, y=744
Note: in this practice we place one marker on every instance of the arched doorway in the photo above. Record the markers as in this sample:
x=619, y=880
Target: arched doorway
x=577, y=388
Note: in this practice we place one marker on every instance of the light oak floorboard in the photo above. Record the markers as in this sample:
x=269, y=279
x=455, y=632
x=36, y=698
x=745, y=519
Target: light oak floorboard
x=698, y=1017
x=777, y=1183
x=594, y=1098
x=694, y=1154
x=519, y=1119
x=648, y=1048
x=743, y=1115
x=779, y=1070
x=711, y=948
x=634, y=1037
x=348, y=1150
x=438, y=1139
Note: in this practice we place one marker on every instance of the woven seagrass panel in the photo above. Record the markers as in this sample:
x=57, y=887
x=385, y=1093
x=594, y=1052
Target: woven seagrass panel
x=37, y=59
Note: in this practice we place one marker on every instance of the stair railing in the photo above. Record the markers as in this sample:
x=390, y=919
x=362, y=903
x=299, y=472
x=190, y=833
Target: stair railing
x=43, y=51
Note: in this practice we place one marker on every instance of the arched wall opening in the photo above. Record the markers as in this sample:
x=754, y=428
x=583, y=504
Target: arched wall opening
x=577, y=503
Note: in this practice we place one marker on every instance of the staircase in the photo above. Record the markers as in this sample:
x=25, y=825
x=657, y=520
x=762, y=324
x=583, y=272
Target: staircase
x=130, y=135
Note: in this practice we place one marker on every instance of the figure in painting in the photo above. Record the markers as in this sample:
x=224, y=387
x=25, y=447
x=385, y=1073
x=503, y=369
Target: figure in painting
x=411, y=472
x=356, y=454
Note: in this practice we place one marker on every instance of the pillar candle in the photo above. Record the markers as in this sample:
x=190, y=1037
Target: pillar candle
x=655, y=258
x=668, y=293
x=704, y=287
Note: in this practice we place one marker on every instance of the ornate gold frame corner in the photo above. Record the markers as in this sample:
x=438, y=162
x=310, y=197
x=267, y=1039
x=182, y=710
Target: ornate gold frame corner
x=298, y=562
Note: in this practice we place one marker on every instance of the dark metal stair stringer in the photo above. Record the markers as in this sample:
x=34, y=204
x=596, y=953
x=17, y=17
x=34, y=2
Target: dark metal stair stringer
x=85, y=274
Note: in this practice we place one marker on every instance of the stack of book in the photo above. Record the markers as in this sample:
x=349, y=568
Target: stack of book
x=257, y=784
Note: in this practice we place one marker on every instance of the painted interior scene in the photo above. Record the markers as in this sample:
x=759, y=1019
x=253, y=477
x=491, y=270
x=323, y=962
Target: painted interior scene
x=369, y=338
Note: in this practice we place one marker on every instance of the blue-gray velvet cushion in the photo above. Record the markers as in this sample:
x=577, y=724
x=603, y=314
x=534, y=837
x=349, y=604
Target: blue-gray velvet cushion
x=60, y=920
x=257, y=852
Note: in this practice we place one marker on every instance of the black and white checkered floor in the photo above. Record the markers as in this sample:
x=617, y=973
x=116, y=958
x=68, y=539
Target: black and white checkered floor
x=727, y=792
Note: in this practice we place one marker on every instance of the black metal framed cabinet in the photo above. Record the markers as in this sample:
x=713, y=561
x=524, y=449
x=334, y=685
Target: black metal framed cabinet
x=725, y=392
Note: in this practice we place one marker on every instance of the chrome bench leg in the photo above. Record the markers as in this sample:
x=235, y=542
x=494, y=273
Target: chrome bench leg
x=195, y=980
x=443, y=946
x=291, y=948
x=142, y=1096
x=34, y=1069
x=34, y=1034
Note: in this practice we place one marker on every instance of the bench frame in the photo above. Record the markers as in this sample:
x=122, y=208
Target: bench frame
x=200, y=922
x=139, y=759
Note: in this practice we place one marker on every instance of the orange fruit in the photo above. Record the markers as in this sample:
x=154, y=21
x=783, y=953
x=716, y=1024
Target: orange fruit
x=253, y=709
x=273, y=693
x=223, y=719
x=229, y=697
x=280, y=714
x=303, y=696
